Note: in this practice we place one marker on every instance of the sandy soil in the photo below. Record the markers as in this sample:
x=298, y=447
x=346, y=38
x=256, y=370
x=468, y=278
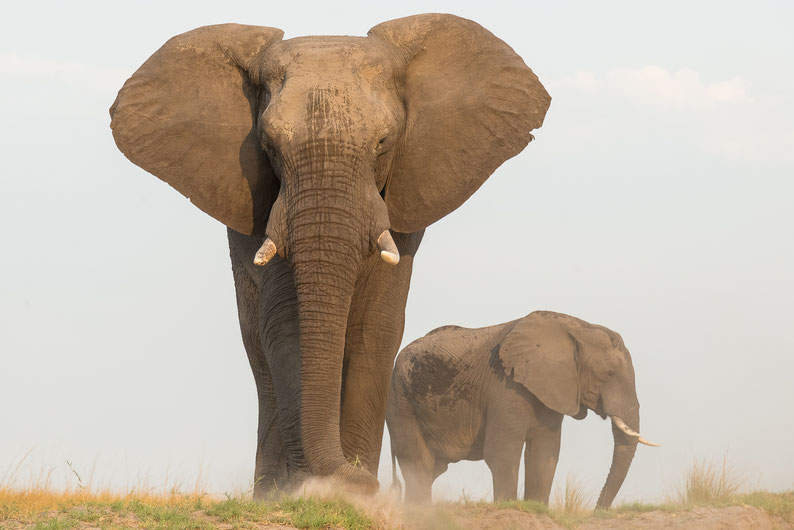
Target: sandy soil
x=733, y=517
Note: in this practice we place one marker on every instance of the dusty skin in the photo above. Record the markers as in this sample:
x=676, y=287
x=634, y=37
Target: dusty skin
x=482, y=394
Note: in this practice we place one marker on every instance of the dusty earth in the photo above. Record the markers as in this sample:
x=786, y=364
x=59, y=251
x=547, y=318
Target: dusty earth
x=734, y=517
x=707, y=518
x=739, y=517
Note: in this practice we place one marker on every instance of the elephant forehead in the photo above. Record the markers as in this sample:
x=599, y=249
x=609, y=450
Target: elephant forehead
x=359, y=58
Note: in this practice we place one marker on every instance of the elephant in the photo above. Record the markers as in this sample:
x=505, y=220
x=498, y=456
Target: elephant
x=481, y=394
x=326, y=157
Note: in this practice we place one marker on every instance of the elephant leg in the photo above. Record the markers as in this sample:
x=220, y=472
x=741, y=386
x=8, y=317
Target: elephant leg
x=540, y=457
x=270, y=471
x=267, y=308
x=417, y=463
x=374, y=331
x=271, y=461
x=505, y=431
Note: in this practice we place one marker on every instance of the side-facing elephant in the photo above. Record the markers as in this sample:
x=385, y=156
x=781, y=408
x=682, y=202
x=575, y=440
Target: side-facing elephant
x=480, y=394
x=326, y=157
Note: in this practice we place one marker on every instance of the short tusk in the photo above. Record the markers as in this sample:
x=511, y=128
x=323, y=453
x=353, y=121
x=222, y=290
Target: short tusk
x=388, y=250
x=625, y=428
x=265, y=252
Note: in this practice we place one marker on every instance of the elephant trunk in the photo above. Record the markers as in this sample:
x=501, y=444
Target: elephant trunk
x=329, y=227
x=323, y=311
x=622, y=455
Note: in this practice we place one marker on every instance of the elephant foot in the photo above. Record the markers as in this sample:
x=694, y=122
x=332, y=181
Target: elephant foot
x=356, y=479
x=346, y=480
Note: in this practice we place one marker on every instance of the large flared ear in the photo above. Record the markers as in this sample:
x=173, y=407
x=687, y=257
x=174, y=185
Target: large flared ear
x=471, y=103
x=540, y=354
x=188, y=117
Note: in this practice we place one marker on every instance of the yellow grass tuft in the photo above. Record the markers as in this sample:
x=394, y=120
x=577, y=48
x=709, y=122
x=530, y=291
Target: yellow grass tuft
x=34, y=499
x=572, y=500
x=706, y=484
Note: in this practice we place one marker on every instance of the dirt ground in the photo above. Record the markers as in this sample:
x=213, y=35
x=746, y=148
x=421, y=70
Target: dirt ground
x=733, y=517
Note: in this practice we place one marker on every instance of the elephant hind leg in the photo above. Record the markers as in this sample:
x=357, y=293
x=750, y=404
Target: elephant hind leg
x=418, y=472
x=418, y=464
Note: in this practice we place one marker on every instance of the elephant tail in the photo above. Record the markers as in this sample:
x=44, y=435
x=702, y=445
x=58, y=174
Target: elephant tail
x=396, y=486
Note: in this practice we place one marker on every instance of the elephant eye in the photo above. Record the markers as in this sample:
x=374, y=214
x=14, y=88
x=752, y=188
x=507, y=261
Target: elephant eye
x=382, y=140
x=611, y=373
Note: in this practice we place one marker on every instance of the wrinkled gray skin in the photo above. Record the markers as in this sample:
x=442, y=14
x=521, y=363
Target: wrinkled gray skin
x=481, y=394
x=327, y=146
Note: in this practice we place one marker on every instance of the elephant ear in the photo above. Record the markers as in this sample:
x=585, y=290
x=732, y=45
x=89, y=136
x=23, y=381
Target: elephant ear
x=471, y=103
x=187, y=116
x=540, y=354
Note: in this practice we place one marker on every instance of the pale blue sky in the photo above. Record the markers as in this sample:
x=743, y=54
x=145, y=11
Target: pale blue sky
x=657, y=200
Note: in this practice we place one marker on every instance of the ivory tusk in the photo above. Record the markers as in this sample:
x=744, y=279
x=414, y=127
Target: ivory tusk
x=625, y=428
x=388, y=250
x=265, y=252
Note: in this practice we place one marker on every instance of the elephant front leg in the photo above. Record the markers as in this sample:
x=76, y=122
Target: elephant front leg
x=540, y=458
x=271, y=462
x=266, y=304
x=374, y=331
x=504, y=437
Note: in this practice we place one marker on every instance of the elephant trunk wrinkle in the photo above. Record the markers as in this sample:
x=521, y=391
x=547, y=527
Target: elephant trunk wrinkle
x=322, y=314
x=334, y=183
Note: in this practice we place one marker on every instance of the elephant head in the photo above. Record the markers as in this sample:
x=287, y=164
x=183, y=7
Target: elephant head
x=322, y=145
x=572, y=366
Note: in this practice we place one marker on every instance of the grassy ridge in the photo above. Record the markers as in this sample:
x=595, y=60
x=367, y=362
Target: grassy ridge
x=41, y=507
x=43, y=510
x=47, y=510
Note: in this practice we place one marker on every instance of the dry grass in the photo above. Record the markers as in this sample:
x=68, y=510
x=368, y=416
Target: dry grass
x=69, y=509
x=572, y=500
x=707, y=484
x=37, y=494
x=35, y=502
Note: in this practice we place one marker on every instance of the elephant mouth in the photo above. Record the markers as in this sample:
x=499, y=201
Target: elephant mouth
x=599, y=409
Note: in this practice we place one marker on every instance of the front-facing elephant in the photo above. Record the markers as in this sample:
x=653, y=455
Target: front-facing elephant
x=481, y=394
x=326, y=157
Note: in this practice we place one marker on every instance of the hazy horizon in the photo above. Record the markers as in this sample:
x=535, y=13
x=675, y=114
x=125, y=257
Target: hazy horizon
x=656, y=200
